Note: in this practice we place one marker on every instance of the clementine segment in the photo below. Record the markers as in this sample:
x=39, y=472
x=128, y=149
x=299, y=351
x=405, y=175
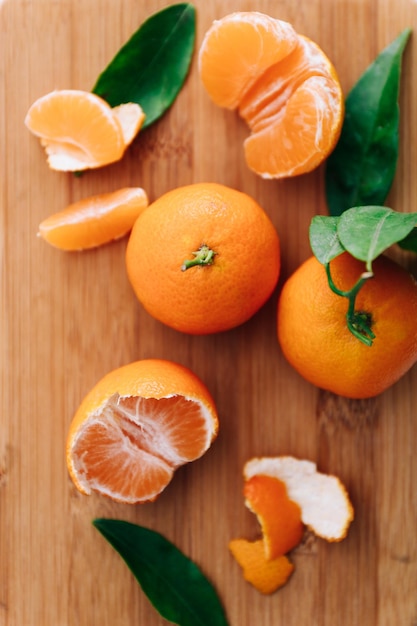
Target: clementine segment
x=94, y=221
x=79, y=130
x=239, y=48
x=314, y=337
x=203, y=258
x=136, y=427
x=282, y=84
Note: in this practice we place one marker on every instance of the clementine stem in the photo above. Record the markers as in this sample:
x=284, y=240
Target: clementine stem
x=203, y=256
x=358, y=322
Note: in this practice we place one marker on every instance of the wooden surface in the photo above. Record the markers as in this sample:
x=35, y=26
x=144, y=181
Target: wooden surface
x=67, y=319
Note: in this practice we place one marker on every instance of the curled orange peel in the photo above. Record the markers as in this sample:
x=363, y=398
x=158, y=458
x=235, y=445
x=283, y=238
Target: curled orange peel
x=324, y=502
x=279, y=517
x=287, y=494
x=265, y=575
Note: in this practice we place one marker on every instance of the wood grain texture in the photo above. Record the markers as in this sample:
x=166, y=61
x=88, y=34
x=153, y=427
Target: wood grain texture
x=67, y=319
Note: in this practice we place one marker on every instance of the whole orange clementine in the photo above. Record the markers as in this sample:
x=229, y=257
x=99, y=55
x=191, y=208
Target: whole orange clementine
x=314, y=336
x=203, y=258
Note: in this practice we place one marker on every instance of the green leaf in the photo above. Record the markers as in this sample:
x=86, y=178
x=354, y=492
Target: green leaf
x=409, y=242
x=324, y=240
x=152, y=66
x=366, y=231
x=173, y=583
x=361, y=169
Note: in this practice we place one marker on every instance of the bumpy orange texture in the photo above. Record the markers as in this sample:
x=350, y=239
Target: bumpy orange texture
x=314, y=337
x=243, y=270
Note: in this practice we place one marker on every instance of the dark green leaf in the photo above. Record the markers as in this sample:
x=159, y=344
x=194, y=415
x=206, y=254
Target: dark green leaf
x=151, y=67
x=324, y=239
x=361, y=169
x=366, y=231
x=173, y=583
x=409, y=242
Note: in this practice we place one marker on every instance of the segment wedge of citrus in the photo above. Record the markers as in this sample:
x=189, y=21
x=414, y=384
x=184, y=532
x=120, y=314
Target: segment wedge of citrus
x=265, y=575
x=239, y=48
x=279, y=517
x=94, y=221
x=79, y=130
x=297, y=105
x=292, y=101
x=324, y=502
x=136, y=427
x=131, y=117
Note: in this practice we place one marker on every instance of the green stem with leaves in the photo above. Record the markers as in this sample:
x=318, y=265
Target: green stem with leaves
x=358, y=322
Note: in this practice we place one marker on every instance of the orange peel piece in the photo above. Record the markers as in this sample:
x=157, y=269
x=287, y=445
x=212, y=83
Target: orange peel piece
x=265, y=575
x=324, y=502
x=279, y=517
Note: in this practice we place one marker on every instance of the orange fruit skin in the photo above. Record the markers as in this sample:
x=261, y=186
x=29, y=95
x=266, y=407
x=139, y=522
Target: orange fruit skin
x=322, y=499
x=157, y=379
x=314, y=338
x=94, y=221
x=216, y=297
x=284, y=87
x=265, y=575
x=279, y=516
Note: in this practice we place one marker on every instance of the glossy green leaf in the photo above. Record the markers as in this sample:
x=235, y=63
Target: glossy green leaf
x=152, y=66
x=361, y=169
x=173, y=583
x=366, y=231
x=324, y=240
x=409, y=242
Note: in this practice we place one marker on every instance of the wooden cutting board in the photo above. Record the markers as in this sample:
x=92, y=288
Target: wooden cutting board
x=67, y=319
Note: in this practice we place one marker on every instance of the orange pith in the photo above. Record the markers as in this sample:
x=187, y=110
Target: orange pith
x=136, y=427
x=280, y=518
x=265, y=575
x=95, y=220
x=314, y=337
x=242, y=272
x=284, y=86
x=79, y=130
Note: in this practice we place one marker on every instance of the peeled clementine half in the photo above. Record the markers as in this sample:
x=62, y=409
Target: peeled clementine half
x=79, y=130
x=283, y=86
x=94, y=221
x=136, y=427
x=203, y=258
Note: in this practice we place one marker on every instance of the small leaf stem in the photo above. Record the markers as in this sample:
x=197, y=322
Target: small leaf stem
x=358, y=322
x=203, y=256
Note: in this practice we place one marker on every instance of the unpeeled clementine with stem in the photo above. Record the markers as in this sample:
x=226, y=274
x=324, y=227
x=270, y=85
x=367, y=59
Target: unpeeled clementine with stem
x=203, y=258
x=313, y=327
